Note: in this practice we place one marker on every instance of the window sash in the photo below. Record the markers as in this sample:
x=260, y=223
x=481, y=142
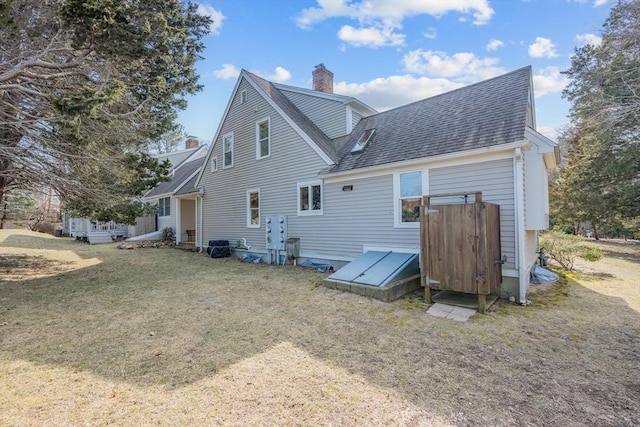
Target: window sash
x=164, y=206
x=310, y=198
x=409, y=188
x=263, y=137
x=316, y=197
x=253, y=208
x=410, y=194
x=304, y=198
x=227, y=148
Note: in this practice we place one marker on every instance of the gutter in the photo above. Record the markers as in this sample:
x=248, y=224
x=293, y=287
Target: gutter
x=524, y=143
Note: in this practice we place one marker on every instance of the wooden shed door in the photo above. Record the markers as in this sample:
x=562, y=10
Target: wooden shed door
x=451, y=253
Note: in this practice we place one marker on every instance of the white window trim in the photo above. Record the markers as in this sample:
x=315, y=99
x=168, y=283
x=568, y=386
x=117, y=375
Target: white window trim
x=349, y=119
x=248, y=202
x=309, y=184
x=164, y=207
x=214, y=163
x=262, y=120
x=225, y=136
x=397, y=215
x=243, y=96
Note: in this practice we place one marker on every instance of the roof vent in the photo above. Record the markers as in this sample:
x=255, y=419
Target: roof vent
x=363, y=141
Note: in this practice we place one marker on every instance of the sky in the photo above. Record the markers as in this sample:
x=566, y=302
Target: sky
x=387, y=53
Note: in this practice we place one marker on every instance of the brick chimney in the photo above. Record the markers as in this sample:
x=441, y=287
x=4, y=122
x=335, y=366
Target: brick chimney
x=322, y=79
x=191, y=142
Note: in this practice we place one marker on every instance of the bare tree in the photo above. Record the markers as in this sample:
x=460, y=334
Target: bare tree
x=84, y=86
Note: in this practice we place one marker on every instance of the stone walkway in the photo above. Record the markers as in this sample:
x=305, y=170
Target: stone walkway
x=461, y=314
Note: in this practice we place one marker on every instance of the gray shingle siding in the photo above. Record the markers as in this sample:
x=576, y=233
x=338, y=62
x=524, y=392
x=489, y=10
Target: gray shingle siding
x=291, y=161
x=291, y=111
x=495, y=179
x=352, y=219
x=328, y=115
x=365, y=216
x=355, y=119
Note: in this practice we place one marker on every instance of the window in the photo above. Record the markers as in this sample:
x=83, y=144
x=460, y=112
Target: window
x=263, y=138
x=410, y=194
x=363, y=140
x=164, y=206
x=253, y=208
x=243, y=96
x=227, y=150
x=310, y=198
x=214, y=163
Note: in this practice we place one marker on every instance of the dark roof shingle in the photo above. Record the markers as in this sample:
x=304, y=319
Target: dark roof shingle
x=181, y=174
x=481, y=115
x=301, y=120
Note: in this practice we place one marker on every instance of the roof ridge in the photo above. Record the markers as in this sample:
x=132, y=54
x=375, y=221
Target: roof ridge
x=483, y=114
x=305, y=124
x=461, y=88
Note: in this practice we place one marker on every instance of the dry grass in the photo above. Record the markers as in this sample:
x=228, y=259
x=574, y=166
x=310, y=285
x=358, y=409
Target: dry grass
x=161, y=336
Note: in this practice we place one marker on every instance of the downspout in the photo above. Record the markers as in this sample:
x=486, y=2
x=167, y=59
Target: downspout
x=523, y=277
x=178, y=229
x=199, y=218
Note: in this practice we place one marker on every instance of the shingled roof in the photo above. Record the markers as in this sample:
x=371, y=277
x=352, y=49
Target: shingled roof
x=183, y=173
x=484, y=114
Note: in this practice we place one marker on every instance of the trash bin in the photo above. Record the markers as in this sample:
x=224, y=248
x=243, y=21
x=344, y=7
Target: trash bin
x=292, y=246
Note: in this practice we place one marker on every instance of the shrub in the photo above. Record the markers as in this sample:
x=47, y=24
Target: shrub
x=565, y=248
x=44, y=227
x=592, y=254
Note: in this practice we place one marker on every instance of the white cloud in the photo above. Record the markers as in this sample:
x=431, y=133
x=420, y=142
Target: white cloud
x=378, y=19
x=464, y=66
x=228, y=71
x=449, y=74
x=548, y=80
x=494, y=44
x=216, y=16
x=390, y=92
x=373, y=37
x=395, y=10
x=431, y=33
x=596, y=3
x=280, y=75
x=542, y=48
x=592, y=39
x=550, y=132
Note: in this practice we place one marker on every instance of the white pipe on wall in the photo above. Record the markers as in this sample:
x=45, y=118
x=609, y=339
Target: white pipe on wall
x=523, y=277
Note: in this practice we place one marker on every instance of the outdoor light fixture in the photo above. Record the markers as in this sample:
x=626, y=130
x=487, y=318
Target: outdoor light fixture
x=347, y=188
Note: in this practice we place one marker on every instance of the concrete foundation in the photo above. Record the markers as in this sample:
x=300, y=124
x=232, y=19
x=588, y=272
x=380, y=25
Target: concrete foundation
x=385, y=293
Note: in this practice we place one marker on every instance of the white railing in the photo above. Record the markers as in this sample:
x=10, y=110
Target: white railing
x=111, y=227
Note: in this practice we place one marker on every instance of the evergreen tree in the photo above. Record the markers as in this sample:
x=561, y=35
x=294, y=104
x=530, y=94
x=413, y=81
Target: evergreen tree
x=603, y=169
x=84, y=85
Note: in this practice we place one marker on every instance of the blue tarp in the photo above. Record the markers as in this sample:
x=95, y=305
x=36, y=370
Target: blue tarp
x=318, y=266
x=256, y=259
x=542, y=276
